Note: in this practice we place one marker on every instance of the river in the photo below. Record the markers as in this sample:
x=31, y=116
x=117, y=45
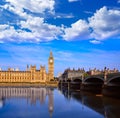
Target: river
x=45, y=102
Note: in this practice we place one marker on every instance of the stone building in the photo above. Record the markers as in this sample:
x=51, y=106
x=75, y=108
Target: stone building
x=31, y=75
x=72, y=73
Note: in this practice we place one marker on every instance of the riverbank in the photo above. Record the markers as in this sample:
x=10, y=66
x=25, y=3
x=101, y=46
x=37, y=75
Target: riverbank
x=33, y=84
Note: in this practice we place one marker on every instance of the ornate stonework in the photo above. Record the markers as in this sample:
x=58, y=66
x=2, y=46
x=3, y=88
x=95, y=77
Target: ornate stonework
x=51, y=67
x=31, y=75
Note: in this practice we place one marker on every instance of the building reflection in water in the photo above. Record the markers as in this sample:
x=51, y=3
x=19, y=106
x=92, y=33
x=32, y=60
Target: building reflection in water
x=51, y=102
x=108, y=107
x=31, y=94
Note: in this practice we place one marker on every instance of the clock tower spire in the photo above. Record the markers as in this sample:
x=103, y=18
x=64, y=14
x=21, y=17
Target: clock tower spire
x=51, y=66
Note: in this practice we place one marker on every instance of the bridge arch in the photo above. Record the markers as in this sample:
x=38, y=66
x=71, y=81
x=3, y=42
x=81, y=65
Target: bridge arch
x=94, y=80
x=114, y=80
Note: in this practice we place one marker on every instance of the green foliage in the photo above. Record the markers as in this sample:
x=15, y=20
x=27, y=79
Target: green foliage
x=86, y=75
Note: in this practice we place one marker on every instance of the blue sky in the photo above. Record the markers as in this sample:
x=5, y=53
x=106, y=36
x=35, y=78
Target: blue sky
x=81, y=33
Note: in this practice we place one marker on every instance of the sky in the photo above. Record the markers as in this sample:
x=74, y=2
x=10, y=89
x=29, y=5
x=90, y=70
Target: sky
x=80, y=33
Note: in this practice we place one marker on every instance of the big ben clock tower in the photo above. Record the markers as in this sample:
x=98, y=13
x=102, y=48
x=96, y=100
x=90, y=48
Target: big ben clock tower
x=51, y=67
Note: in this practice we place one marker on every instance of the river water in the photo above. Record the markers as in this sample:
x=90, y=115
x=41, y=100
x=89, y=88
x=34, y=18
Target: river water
x=43, y=102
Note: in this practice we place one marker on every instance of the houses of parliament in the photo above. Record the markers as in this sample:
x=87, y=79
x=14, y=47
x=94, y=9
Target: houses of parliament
x=30, y=75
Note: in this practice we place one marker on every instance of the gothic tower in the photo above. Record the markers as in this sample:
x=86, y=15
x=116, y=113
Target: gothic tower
x=51, y=67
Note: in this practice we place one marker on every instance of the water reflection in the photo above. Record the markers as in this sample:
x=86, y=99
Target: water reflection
x=29, y=102
x=31, y=94
x=108, y=107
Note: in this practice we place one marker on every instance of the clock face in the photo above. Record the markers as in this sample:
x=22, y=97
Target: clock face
x=51, y=60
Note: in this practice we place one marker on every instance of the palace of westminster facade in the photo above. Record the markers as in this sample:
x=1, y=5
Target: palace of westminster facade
x=31, y=75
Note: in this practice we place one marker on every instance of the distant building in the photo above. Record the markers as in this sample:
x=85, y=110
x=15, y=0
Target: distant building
x=30, y=75
x=97, y=71
x=72, y=73
x=59, y=76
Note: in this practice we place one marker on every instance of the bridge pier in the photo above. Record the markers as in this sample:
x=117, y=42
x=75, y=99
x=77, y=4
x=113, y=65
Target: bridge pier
x=70, y=85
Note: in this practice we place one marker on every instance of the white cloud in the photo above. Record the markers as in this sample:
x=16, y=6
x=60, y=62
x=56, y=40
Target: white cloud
x=78, y=30
x=60, y=15
x=6, y=32
x=38, y=30
x=73, y=0
x=118, y=1
x=95, y=41
x=105, y=23
x=36, y=6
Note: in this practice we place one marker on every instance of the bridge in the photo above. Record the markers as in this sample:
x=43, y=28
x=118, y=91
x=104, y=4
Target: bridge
x=107, y=79
x=95, y=83
x=111, y=78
